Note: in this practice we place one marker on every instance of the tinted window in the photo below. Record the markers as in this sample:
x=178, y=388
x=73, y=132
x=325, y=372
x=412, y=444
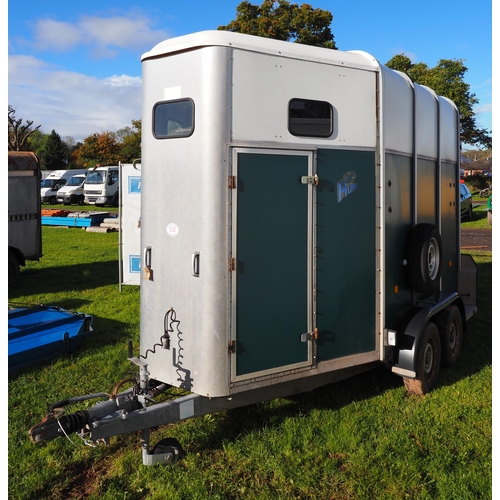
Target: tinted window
x=173, y=119
x=310, y=118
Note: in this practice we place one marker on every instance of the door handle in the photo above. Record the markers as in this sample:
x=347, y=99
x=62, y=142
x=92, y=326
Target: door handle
x=148, y=271
x=195, y=264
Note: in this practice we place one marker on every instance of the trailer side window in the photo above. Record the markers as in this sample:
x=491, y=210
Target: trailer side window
x=173, y=119
x=310, y=118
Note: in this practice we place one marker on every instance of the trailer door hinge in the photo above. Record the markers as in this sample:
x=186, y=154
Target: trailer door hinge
x=231, y=264
x=309, y=336
x=231, y=347
x=310, y=179
x=232, y=182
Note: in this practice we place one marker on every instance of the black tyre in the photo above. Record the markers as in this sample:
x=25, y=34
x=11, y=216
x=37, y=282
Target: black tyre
x=469, y=212
x=80, y=201
x=428, y=362
x=450, y=328
x=52, y=200
x=169, y=445
x=425, y=255
x=14, y=270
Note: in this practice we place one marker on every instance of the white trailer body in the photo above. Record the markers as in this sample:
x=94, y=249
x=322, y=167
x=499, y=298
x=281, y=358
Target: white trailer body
x=130, y=224
x=281, y=184
x=25, y=222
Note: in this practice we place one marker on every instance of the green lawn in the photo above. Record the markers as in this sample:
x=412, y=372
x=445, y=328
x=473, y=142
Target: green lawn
x=363, y=438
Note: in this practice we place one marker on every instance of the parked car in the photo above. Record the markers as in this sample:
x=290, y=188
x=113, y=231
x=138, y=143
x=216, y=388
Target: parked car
x=465, y=201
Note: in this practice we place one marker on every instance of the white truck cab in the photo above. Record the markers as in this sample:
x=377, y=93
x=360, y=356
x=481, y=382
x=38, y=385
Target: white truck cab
x=55, y=181
x=101, y=185
x=72, y=192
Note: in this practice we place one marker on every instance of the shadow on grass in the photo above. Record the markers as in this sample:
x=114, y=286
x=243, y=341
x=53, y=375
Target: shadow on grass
x=71, y=278
x=476, y=355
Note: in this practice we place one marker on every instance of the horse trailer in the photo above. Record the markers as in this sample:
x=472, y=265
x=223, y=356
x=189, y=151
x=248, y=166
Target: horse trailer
x=300, y=224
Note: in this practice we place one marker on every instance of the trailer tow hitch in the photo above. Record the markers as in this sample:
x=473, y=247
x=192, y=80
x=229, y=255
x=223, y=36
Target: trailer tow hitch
x=113, y=414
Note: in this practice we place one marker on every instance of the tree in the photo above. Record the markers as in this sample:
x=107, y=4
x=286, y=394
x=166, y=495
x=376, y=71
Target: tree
x=130, y=147
x=19, y=133
x=285, y=21
x=100, y=148
x=447, y=79
x=54, y=154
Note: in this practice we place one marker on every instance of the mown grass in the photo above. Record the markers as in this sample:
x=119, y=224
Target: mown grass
x=363, y=438
x=479, y=218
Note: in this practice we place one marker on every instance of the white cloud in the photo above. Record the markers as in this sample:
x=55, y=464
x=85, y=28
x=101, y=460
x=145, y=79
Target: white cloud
x=71, y=103
x=103, y=35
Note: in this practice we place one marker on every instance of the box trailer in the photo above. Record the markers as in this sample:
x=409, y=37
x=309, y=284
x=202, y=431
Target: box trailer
x=129, y=218
x=299, y=224
x=25, y=229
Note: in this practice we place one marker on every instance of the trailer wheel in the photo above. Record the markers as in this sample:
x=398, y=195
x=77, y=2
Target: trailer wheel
x=451, y=331
x=169, y=445
x=428, y=361
x=14, y=269
x=425, y=251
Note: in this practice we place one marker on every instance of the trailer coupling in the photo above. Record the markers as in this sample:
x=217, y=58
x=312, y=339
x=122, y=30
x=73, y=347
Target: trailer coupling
x=56, y=424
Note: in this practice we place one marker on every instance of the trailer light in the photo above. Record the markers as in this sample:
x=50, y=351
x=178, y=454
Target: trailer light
x=390, y=337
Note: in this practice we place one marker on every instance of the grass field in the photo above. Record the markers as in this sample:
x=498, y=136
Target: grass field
x=363, y=438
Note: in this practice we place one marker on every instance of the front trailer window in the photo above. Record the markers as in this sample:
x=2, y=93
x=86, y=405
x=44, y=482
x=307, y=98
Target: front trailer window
x=173, y=119
x=310, y=118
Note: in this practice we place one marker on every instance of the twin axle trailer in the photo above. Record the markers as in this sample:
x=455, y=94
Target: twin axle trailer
x=300, y=224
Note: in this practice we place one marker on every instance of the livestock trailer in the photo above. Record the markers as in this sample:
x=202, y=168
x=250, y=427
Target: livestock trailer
x=25, y=226
x=299, y=225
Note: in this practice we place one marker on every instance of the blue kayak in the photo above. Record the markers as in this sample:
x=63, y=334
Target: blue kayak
x=44, y=332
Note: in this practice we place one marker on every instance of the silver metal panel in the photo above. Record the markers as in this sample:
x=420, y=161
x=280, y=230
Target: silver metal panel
x=184, y=211
x=426, y=122
x=448, y=130
x=260, y=104
x=397, y=111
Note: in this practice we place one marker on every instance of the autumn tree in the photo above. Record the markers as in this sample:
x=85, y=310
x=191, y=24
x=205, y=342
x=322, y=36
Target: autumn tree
x=19, y=133
x=285, y=21
x=447, y=79
x=100, y=148
x=130, y=141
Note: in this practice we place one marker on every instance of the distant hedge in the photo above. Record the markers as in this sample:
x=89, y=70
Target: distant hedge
x=477, y=182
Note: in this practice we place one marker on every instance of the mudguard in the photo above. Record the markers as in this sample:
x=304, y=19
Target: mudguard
x=413, y=326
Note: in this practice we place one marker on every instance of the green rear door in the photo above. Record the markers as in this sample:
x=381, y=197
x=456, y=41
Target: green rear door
x=272, y=248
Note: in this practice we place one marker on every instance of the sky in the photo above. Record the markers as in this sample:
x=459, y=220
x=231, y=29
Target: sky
x=75, y=67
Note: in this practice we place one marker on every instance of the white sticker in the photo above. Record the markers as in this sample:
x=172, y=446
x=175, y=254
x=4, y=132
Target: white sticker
x=186, y=409
x=170, y=93
x=172, y=229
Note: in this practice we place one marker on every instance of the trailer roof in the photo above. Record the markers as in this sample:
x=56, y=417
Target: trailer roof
x=356, y=59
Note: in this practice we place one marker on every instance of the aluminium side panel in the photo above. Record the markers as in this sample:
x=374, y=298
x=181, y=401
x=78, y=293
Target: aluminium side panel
x=184, y=213
x=450, y=184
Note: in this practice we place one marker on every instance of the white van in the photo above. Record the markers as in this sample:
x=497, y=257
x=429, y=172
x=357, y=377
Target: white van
x=55, y=181
x=72, y=192
x=101, y=186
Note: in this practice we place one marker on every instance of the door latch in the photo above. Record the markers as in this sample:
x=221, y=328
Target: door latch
x=305, y=337
x=310, y=179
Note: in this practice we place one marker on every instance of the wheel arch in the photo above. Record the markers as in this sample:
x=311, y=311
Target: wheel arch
x=18, y=255
x=411, y=331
